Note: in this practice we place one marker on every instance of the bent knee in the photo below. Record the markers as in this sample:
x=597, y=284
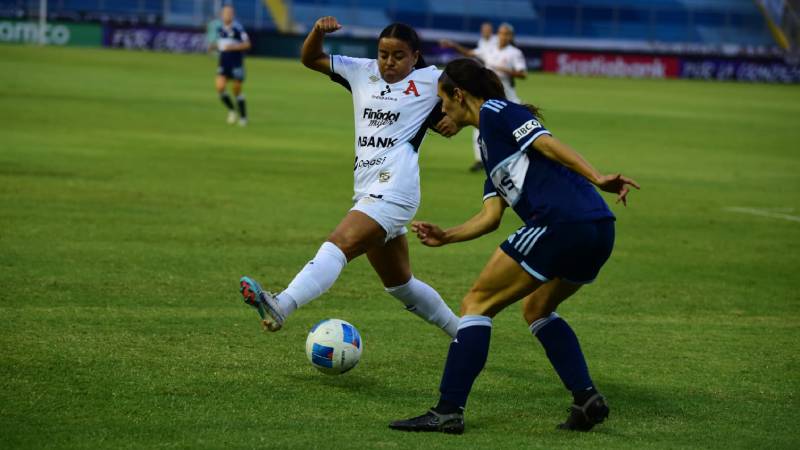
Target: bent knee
x=533, y=310
x=350, y=245
x=478, y=302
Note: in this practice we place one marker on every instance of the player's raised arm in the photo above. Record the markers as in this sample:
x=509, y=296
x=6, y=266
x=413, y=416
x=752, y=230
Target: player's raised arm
x=565, y=155
x=447, y=43
x=486, y=221
x=312, y=54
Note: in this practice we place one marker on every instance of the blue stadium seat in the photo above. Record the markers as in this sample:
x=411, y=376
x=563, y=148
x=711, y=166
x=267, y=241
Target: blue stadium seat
x=366, y=17
x=81, y=5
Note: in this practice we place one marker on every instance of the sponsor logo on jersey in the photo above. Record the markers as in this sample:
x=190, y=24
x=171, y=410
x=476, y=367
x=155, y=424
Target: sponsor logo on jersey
x=374, y=78
x=411, y=88
x=526, y=129
x=372, y=141
x=365, y=163
x=384, y=93
x=384, y=176
x=380, y=117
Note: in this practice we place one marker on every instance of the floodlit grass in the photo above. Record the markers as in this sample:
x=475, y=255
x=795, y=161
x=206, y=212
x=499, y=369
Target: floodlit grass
x=129, y=209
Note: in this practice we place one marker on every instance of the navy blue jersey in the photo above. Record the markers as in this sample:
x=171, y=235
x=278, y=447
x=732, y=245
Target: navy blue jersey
x=234, y=34
x=541, y=191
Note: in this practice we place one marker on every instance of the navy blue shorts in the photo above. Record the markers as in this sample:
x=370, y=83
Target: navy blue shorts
x=231, y=72
x=574, y=252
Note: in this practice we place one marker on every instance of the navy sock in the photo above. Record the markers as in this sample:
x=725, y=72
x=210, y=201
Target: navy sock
x=242, y=108
x=226, y=99
x=465, y=360
x=564, y=352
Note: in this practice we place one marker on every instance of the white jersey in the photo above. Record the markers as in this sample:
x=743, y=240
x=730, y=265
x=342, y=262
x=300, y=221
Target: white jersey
x=485, y=44
x=508, y=57
x=390, y=126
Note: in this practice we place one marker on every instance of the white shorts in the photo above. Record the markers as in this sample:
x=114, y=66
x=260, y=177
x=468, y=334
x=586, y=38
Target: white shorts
x=392, y=217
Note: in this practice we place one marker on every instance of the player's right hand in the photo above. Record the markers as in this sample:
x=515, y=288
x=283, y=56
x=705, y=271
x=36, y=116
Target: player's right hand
x=428, y=233
x=327, y=24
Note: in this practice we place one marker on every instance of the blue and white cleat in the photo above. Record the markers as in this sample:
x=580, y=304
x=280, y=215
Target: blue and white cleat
x=264, y=302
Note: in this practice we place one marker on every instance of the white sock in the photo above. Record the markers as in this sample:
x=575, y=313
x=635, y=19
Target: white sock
x=316, y=277
x=476, y=148
x=425, y=302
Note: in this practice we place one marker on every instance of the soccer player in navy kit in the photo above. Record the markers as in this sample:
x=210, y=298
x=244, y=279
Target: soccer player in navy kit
x=231, y=41
x=567, y=236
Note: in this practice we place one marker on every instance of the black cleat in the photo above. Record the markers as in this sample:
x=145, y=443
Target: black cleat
x=583, y=418
x=432, y=421
x=477, y=167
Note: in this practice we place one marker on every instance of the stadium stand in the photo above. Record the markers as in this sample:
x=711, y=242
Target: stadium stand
x=669, y=21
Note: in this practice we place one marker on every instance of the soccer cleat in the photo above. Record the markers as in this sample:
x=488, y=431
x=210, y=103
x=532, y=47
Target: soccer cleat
x=264, y=302
x=231, y=117
x=242, y=122
x=583, y=418
x=477, y=167
x=432, y=421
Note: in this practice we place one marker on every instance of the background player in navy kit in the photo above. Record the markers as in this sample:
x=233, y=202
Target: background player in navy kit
x=567, y=236
x=231, y=41
x=393, y=100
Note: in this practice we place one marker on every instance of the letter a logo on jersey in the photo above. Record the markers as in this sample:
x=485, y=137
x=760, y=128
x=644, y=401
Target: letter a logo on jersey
x=411, y=88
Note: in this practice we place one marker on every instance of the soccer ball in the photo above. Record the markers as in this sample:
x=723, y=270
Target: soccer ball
x=333, y=346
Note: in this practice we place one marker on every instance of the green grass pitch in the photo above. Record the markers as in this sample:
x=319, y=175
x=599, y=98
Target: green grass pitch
x=129, y=210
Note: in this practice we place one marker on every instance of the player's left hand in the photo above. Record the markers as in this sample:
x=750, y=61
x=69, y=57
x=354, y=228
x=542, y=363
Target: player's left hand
x=446, y=127
x=617, y=184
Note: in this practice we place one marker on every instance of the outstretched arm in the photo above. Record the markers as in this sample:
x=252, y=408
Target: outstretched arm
x=563, y=154
x=312, y=55
x=447, y=43
x=487, y=220
x=511, y=72
x=240, y=47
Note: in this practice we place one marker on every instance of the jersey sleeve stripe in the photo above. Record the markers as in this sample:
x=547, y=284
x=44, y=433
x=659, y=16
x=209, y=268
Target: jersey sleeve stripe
x=525, y=145
x=489, y=195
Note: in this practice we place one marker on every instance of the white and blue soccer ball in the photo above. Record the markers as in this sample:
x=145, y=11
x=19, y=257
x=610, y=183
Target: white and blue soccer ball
x=333, y=346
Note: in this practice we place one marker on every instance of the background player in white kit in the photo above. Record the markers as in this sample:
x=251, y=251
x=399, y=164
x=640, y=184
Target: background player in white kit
x=395, y=100
x=488, y=38
x=504, y=59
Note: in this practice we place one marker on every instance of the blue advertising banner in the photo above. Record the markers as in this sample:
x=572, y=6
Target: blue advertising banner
x=764, y=71
x=176, y=40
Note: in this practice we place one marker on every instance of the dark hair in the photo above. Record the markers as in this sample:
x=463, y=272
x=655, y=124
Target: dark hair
x=471, y=76
x=406, y=34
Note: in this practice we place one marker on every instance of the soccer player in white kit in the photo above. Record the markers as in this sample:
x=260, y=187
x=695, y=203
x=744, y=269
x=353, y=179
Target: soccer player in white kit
x=504, y=59
x=394, y=101
x=488, y=38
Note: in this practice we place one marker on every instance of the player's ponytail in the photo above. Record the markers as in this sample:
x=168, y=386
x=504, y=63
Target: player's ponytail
x=481, y=82
x=406, y=34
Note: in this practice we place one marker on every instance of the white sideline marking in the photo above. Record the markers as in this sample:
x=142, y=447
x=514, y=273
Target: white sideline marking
x=761, y=212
